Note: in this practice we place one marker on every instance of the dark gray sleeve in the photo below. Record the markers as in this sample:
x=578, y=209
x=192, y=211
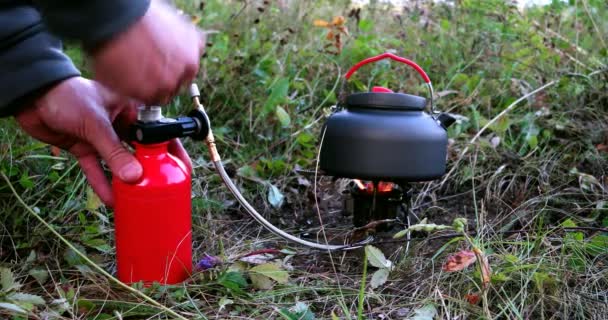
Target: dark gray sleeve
x=30, y=53
x=90, y=21
x=30, y=58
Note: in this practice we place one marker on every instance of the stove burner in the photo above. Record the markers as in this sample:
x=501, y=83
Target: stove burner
x=374, y=201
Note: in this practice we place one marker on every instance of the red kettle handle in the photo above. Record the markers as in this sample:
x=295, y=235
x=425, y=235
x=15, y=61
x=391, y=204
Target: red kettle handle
x=390, y=56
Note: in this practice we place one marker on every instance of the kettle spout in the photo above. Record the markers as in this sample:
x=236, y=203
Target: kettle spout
x=446, y=120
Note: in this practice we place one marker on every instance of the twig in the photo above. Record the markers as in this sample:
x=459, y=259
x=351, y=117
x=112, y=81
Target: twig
x=85, y=258
x=372, y=225
x=491, y=122
x=597, y=72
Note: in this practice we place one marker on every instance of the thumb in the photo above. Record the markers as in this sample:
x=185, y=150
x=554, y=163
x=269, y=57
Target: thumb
x=122, y=163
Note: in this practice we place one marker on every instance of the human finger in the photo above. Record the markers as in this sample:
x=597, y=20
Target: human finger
x=101, y=135
x=92, y=170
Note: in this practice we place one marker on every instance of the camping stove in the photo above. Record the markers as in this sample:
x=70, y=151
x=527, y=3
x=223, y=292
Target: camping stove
x=376, y=201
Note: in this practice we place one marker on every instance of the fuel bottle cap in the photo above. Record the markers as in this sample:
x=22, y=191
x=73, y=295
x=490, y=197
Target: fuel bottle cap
x=149, y=113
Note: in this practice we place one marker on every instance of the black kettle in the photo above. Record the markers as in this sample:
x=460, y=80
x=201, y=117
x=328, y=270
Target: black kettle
x=385, y=136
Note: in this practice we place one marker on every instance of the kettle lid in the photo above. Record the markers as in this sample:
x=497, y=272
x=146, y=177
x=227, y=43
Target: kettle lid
x=386, y=100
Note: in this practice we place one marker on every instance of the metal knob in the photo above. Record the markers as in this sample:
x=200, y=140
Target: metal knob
x=149, y=114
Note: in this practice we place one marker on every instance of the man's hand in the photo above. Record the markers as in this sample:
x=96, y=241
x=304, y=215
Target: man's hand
x=152, y=59
x=83, y=117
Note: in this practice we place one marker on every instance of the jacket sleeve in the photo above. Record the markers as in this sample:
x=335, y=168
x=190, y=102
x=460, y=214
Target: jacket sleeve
x=30, y=58
x=90, y=21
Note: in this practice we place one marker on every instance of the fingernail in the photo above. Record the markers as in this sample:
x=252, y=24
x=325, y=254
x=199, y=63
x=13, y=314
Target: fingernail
x=130, y=172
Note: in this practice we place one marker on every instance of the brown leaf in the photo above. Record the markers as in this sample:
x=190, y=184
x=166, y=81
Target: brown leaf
x=55, y=151
x=320, y=23
x=602, y=147
x=459, y=261
x=338, y=43
x=338, y=21
x=472, y=298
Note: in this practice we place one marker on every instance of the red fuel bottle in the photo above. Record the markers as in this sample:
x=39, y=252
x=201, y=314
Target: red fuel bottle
x=153, y=223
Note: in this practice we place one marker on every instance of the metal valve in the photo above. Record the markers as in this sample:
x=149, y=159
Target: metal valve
x=152, y=127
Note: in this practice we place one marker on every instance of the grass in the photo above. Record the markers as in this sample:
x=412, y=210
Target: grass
x=531, y=183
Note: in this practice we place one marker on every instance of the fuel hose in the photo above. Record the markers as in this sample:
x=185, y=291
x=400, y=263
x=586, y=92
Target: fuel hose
x=219, y=167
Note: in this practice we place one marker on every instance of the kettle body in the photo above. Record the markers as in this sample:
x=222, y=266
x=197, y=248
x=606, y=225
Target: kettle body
x=152, y=218
x=380, y=142
x=385, y=136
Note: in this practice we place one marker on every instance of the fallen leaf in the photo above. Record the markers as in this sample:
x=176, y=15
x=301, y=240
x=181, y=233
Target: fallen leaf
x=55, y=151
x=275, y=197
x=271, y=270
x=262, y=275
x=379, y=278
x=300, y=311
x=11, y=307
x=7, y=280
x=20, y=298
x=258, y=258
x=224, y=301
x=459, y=261
x=93, y=201
x=62, y=305
x=376, y=258
x=41, y=275
x=472, y=298
x=261, y=282
x=427, y=312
